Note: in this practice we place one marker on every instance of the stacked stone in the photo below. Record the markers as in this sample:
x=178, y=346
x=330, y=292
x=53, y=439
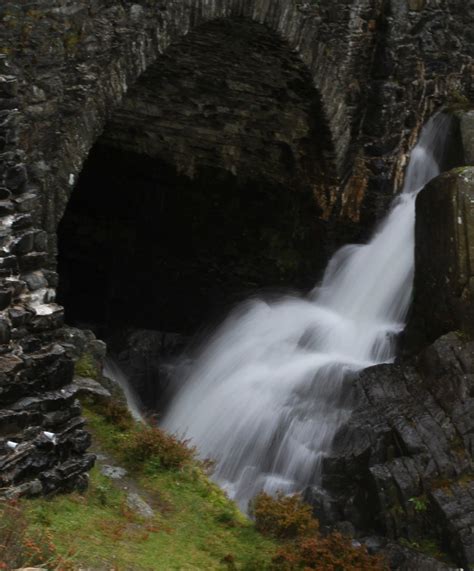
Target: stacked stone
x=42, y=440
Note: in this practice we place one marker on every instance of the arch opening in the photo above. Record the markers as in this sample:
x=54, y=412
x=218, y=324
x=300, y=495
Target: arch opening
x=205, y=187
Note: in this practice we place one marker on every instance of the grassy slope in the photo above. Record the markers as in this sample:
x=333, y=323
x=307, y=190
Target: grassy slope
x=195, y=527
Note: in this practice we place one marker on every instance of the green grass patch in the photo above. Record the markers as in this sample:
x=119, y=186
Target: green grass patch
x=85, y=366
x=194, y=528
x=195, y=525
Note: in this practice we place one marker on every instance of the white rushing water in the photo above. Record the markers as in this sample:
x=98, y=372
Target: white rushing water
x=114, y=372
x=266, y=394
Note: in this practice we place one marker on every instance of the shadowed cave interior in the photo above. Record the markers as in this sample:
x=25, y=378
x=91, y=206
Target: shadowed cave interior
x=154, y=249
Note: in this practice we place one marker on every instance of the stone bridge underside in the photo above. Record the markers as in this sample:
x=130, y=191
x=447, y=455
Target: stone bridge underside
x=205, y=182
x=340, y=96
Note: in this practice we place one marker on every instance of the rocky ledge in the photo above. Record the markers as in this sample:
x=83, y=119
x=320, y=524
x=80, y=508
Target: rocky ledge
x=402, y=467
x=444, y=278
x=43, y=441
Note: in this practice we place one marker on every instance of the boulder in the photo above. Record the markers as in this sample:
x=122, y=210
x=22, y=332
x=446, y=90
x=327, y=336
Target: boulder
x=466, y=126
x=113, y=472
x=138, y=505
x=148, y=358
x=86, y=387
x=444, y=256
x=78, y=342
x=402, y=466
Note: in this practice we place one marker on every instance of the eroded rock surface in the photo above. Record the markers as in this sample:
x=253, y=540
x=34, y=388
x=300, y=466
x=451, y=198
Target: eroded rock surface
x=403, y=466
x=466, y=121
x=444, y=276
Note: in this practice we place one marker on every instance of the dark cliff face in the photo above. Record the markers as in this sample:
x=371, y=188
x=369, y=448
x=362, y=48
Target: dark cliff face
x=402, y=466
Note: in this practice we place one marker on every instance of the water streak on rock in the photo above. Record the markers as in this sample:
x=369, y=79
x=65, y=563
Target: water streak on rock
x=113, y=371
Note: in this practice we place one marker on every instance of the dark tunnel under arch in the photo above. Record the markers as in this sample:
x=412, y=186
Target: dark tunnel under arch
x=206, y=185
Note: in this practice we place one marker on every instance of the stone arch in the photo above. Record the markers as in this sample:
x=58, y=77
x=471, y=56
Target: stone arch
x=229, y=133
x=326, y=37
x=90, y=56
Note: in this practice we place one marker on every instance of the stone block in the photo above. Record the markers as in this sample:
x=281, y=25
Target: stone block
x=32, y=261
x=24, y=244
x=22, y=221
x=6, y=207
x=444, y=253
x=5, y=298
x=8, y=86
x=16, y=178
x=466, y=125
x=35, y=280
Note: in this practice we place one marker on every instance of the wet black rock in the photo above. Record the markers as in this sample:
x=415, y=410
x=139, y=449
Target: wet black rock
x=89, y=388
x=78, y=342
x=444, y=278
x=403, y=466
x=148, y=358
x=466, y=125
x=410, y=559
x=16, y=177
x=35, y=280
x=5, y=298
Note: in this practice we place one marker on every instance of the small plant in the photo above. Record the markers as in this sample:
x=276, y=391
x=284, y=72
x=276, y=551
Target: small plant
x=42, y=517
x=71, y=41
x=118, y=414
x=289, y=519
x=283, y=517
x=85, y=366
x=227, y=517
x=419, y=503
x=229, y=562
x=458, y=101
x=162, y=449
x=101, y=492
x=21, y=547
x=429, y=547
x=13, y=527
x=35, y=14
x=461, y=334
x=41, y=550
x=332, y=553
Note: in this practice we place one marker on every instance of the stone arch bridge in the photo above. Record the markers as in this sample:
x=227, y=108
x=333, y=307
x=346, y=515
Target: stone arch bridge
x=336, y=91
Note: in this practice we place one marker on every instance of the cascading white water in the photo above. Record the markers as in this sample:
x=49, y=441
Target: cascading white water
x=114, y=372
x=266, y=395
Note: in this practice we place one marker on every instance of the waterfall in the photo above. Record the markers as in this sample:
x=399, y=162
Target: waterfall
x=114, y=372
x=266, y=395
